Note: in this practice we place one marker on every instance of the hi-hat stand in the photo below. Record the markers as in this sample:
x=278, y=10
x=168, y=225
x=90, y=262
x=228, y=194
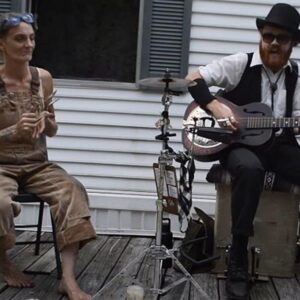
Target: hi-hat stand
x=159, y=252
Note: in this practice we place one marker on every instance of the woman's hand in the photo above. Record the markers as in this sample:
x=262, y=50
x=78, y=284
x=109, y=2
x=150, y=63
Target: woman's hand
x=26, y=124
x=40, y=124
x=33, y=124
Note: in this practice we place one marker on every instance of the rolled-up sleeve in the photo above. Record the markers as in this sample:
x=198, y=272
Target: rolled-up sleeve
x=225, y=72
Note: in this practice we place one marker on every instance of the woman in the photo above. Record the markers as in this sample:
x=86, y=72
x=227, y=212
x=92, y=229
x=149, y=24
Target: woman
x=26, y=116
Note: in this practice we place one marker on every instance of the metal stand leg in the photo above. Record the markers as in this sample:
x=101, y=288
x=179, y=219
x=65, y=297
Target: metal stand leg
x=158, y=251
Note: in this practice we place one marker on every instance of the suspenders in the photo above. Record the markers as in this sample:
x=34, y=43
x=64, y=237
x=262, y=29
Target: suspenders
x=35, y=82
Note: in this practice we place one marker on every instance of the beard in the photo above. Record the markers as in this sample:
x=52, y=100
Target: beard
x=275, y=57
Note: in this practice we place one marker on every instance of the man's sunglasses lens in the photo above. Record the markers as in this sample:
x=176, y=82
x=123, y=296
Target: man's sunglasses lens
x=280, y=38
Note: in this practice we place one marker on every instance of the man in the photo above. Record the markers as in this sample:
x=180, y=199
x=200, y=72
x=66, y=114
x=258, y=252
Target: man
x=266, y=76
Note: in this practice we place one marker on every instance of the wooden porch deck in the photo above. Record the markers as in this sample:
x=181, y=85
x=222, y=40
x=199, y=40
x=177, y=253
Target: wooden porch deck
x=104, y=258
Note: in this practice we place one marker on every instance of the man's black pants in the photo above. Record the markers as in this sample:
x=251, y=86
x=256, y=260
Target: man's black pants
x=247, y=167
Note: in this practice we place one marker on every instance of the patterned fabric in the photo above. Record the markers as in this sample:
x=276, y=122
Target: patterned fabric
x=187, y=171
x=269, y=181
x=272, y=181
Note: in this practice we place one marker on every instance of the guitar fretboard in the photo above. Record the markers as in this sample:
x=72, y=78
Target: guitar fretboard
x=270, y=122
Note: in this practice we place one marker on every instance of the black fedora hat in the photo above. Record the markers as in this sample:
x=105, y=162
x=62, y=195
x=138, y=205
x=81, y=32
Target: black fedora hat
x=284, y=16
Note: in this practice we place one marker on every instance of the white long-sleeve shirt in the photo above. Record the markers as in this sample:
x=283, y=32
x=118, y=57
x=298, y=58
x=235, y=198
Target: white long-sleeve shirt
x=227, y=72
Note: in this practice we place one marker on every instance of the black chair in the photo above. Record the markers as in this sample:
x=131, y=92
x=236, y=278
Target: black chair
x=24, y=197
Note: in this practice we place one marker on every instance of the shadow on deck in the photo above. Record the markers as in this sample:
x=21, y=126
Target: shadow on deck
x=104, y=258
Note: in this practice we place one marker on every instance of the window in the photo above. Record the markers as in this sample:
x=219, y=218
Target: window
x=94, y=39
x=115, y=40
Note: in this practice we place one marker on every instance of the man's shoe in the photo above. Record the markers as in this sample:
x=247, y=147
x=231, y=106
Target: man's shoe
x=237, y=282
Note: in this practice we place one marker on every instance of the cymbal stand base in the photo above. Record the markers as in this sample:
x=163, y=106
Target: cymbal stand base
x=159, y=253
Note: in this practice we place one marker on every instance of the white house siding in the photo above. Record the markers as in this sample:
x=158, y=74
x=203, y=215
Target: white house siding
x=106, y=139
x=106, y=136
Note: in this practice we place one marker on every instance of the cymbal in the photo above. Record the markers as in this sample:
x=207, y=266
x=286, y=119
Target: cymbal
x=160, y=83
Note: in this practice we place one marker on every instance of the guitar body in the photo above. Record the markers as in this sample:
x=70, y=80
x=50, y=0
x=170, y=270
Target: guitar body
x=204, y=149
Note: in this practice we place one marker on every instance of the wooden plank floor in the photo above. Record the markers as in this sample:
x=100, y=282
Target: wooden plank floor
x=99, y=273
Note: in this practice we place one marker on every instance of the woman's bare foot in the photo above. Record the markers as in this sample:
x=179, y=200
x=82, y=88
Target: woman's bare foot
x=12, y=276
x=69, y=287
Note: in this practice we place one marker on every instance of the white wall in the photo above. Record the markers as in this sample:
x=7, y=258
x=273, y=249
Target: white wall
x=106, y=139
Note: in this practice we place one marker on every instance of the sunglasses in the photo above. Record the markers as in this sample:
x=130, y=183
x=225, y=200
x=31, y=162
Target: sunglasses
x=16, y=20
x=281, y=38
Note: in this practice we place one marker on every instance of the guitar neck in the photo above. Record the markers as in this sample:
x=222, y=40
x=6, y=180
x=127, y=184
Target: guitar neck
x=271, y=122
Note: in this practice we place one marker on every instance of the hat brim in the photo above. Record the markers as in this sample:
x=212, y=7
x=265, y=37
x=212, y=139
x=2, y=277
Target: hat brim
x=260, y=23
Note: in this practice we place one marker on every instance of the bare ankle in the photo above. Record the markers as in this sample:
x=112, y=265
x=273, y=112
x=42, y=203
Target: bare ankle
x=69, y=286
x=7, y=241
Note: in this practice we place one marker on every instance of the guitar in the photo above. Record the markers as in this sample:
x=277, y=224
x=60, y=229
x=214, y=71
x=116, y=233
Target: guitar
x=206, y=140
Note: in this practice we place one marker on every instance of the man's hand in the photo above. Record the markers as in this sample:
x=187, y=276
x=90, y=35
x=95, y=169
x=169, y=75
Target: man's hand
x=223, y=114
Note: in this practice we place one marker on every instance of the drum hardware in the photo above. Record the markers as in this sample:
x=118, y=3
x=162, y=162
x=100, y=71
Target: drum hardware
x=174, y=85
x=165, y=158
x=254, y=266
x=160, y=252
x=226, y=251
x=254, y=262
x=167, y=240
x=227, y=255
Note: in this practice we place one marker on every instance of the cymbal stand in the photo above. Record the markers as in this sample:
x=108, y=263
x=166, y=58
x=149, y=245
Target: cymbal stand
x=165, y=158
x=158, y=251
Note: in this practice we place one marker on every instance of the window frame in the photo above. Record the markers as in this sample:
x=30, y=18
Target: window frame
x=145, y=16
